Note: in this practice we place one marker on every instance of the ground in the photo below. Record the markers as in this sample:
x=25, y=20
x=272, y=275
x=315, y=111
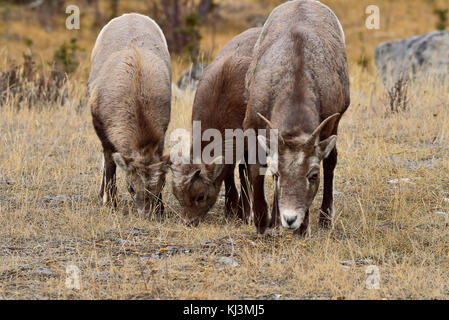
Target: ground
x=391, y=202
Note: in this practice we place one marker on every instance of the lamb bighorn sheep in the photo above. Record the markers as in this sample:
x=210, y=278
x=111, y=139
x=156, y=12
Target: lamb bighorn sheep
x=298, y=83
x=130, y=97
x=220, y=104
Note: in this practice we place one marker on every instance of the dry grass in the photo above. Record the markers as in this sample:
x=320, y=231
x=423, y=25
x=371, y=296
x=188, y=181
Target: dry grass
x=51, y=216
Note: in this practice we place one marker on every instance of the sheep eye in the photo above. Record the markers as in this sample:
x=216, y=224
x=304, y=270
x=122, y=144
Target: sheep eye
x=313, y=177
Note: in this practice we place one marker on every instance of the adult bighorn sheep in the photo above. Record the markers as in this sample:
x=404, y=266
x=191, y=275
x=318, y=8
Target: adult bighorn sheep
x=219, y=104
x=298, y=83
x=130, y=96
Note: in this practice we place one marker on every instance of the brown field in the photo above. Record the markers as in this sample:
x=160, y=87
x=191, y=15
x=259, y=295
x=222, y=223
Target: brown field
x=51, y=216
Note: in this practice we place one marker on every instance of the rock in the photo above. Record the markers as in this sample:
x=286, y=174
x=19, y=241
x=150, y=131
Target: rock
x=189, y=78
x=156, y=256
x=167, y=252
x=415, y=57
x=59, y=197
x=337, y=193
x=123, y=242
x=42, y=271
x=346, y=262
x=359, y=262
x=446, y=199
x=145, y=259
x=404, y=180
x=226, y=261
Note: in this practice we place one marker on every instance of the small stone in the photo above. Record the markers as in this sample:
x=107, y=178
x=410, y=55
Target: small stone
x=42, y=271
x=137, y=231
x=221, y=261
x=396, y=181
x=346, y=262
x=123, y=242
x=59, y=197
x=155, y=256
x=359, y=262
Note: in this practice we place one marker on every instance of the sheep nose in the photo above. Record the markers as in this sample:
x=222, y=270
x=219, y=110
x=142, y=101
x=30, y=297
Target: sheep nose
x=291, y=220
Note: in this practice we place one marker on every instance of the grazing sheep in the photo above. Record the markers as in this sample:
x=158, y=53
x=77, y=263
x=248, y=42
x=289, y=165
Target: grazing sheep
x=298, y=83
x=130, y=96
x=220, y=104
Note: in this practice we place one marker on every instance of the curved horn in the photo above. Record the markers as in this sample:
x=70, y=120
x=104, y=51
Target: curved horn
x=317, y=131
x=268, y=122
x=270, y=125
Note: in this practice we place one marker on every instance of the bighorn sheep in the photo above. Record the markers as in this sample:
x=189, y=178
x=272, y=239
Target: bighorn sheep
x=298, y=83
x=130, y=96
x=220, y=104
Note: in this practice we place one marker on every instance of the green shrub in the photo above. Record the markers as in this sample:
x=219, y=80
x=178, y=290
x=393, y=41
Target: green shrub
x=65, y=58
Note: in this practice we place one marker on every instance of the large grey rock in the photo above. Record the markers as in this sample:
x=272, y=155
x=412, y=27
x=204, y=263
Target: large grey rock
x=413, y=58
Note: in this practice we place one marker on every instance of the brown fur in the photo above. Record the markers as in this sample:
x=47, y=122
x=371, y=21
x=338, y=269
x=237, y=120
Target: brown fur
x=130, y=97
x=297, y=79
x=220, y=104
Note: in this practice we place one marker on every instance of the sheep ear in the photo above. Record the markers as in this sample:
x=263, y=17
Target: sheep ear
x=194, y=175
x=121, y=161
x=325, y=147
x=215, y=168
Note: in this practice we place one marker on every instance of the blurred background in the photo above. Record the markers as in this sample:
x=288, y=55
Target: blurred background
x=35, y=31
